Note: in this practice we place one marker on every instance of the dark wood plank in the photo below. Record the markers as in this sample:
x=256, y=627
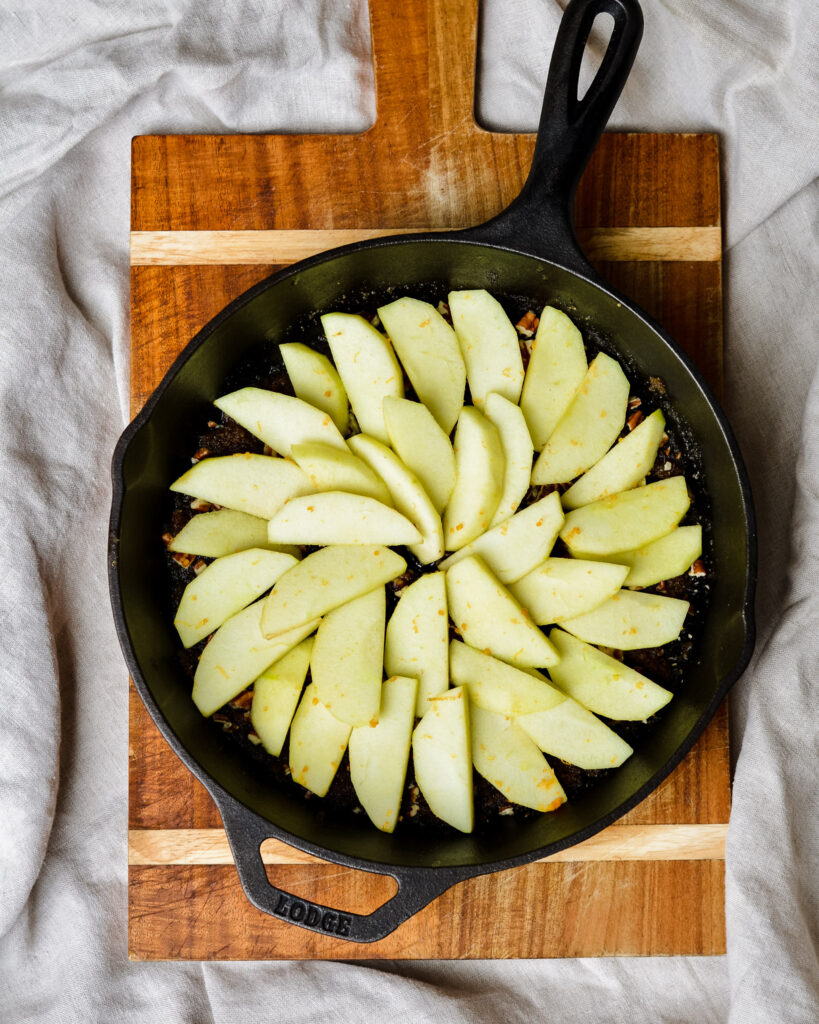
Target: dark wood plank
x=543, y=910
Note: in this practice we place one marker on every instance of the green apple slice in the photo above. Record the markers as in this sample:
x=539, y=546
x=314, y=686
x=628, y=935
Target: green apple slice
x=422, y=446
x=237, y=654
x=324, y=580
x=627, y=520
x=603, y=684
x=366, y=362
x=479, y=475
x=489, y=345
x=511, y=761
x=224, y=588
x=331, y=469
x=517, y=545
x=407, y=493
x=442, y=758
x=589, y=427
x=336, y=517
x=623, y=467
x=429, y=352
x=316, y=381
x=575, y=735
x=317, y=743
x=347, y=664
x=379, y=753
x=276, y=695
x=490, y=619
x=496, y=686
x=663, y=559
x=280, y=420
x=517, y=453
x=417, y=640
x=224, y=532
x=631, y=620
x=556, y=370
x=560, y=588
x=256, y=484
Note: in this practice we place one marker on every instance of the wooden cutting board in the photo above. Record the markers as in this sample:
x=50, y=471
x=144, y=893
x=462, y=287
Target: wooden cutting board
x=210, y=216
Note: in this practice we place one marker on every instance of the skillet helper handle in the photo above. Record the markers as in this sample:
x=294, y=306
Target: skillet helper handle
x=541, y=220
x=246, y=832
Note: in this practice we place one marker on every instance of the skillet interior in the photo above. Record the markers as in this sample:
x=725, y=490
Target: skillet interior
x=159, y=450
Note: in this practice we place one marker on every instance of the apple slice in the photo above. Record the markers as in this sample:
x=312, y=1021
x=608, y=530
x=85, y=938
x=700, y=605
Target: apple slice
x=560, y=588
x=280, y=420
x=479, y=474
x=490, y=619
x=366, y=362
x=631, y=620
x=417, y=641
x=317, y=743
x=347, y=664
x=422, y=446
x=442, y=757
x=517, y=545
x=663, y=559
x=517, y=453
x=237, y=654
x=276, y=695
x=316, y=381
x=324, y=580
x=510, y=760
x=224, y=532
x=496, y=686
x=556, y=370
x=623, y=467
x=489, y=345
x=602, y=684
x=336, y=517
x=331, y=469
x=407, y=493
x=224, y=588
x=256, y=484
x=575, y=735
x=379, y=753
x=627, y=520
x=429, y=352
x=589, y=427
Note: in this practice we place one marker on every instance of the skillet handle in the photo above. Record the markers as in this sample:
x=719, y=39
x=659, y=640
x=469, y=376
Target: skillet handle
x=417, y=887
x=540, y=221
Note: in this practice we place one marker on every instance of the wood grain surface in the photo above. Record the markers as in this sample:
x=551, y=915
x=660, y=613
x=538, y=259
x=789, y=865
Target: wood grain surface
x=211, y=216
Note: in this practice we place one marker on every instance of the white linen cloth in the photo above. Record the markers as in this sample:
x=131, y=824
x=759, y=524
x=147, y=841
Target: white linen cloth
x=78, y=79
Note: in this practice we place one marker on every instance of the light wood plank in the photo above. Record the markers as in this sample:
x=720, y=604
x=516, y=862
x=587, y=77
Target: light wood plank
x=619, y=842
x=197, y=248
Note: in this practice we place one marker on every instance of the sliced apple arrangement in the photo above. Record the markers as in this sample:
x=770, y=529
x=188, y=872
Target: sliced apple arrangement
x=477, y=492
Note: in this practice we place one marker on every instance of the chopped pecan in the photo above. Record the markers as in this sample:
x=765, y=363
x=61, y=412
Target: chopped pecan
x=634, y=419
x=635, y=403
x=199, y=454
x=244, y=700
x=198, y=505
x=697, y=569
x=199, y=566
x=182, y=559
x=527, y=325
x=167, y=539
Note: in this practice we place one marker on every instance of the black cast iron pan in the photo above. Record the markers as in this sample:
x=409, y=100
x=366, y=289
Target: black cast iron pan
x=529, y=249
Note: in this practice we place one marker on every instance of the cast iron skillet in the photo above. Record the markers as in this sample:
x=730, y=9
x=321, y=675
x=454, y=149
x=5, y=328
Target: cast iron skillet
x=529, y=249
